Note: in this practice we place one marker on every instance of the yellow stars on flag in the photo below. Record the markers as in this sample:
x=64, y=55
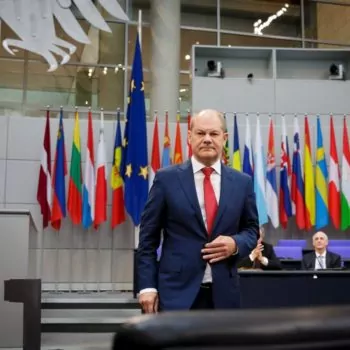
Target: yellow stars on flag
x=128, y=171
x=133, y=86
x=143, y=172
x=125, y=142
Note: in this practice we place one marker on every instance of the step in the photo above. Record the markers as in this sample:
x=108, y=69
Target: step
x=89, y=301
x=77, y=341
x=87, y=313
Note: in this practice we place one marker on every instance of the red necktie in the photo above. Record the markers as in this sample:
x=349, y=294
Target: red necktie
x=210, y=203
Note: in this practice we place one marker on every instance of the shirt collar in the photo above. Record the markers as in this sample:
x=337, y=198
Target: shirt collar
x=323, y=254
x=198, y=166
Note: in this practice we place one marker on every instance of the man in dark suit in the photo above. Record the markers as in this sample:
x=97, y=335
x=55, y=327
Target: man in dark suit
x=321, y=258
x=262, y=256
x=208, y=215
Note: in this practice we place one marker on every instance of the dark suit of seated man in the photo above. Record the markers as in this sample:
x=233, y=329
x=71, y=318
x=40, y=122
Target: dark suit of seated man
x=262, y=256
x=321, y=258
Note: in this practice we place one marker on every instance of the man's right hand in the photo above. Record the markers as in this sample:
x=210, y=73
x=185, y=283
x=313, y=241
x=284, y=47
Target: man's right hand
x=149, y=302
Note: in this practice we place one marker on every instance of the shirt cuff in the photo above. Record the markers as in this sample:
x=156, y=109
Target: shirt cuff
x=264, y=261
x=148, y=290
x=251, y=257
x=236, y=252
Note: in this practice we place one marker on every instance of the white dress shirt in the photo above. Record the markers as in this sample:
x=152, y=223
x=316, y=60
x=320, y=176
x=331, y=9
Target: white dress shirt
x=215, y=180
x=320, y=261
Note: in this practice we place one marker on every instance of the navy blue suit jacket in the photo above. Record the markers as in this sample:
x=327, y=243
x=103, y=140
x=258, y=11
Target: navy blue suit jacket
x=173, y=207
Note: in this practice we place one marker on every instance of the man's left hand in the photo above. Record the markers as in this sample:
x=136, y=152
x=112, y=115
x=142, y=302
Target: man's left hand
x=219, y=249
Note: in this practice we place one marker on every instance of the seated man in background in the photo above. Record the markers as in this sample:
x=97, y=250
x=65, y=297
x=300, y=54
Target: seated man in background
x=262, y=256
x=321, y=258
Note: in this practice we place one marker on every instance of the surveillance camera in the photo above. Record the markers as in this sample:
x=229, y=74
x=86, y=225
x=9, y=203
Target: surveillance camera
x=336, y=72
x=214, y=69
x=333, y=69
x=211, y=65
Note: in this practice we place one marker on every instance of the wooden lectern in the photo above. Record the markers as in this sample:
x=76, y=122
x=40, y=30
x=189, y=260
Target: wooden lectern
x=18, y=243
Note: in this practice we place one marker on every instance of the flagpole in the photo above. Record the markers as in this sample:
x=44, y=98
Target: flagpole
x=139, y=28
x=41, y=272
x=85, y=260
x=57, y=263
x=99, y=228
x=112, y=230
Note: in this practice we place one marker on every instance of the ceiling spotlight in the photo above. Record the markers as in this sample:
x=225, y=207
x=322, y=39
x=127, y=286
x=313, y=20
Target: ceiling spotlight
x=187, y=57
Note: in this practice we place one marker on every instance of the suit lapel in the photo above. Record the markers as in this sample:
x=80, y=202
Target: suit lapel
x=227, y=188
x=186, y=178
x=328, y=260
x=313, y=262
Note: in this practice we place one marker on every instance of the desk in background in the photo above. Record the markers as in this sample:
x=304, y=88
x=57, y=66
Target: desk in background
x=271, y=289
x=291, y=264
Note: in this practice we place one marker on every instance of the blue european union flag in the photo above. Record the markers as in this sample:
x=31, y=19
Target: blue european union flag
x=135, y=143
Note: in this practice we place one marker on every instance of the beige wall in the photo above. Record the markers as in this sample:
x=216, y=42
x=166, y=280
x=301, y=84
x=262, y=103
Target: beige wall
x=333, y=23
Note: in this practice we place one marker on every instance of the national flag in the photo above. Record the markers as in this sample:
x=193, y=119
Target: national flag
x=259, y=176
x=58, y=211
x=333, y=184
x=309, y=182
x=75, y=200
x=155, y=161
x=126, y=133
x=289, y=165
x=271, y=181
x=321, y=178
x=101, y=179
x=178, y=159
x=89, y=178
x=226, y=150
x=136, y=160
x=285, y=206
x=189, y=147
x=297, y=186
x=248, y=154
x=236, y=157
x=166, y=158
x=44, y=195
x=345, y=181
x=117, y=183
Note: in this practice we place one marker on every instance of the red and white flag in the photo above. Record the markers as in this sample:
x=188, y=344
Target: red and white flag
x=333, y=183
x=101, y=180
x=44, y=184
x=155, y=161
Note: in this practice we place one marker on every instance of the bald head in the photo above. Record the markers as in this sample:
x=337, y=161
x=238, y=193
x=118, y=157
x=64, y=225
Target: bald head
x=320, y=241
x=209, y=114
x=320, y=234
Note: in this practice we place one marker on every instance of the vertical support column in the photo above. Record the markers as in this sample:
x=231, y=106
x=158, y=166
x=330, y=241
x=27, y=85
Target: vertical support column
x=165, y=57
